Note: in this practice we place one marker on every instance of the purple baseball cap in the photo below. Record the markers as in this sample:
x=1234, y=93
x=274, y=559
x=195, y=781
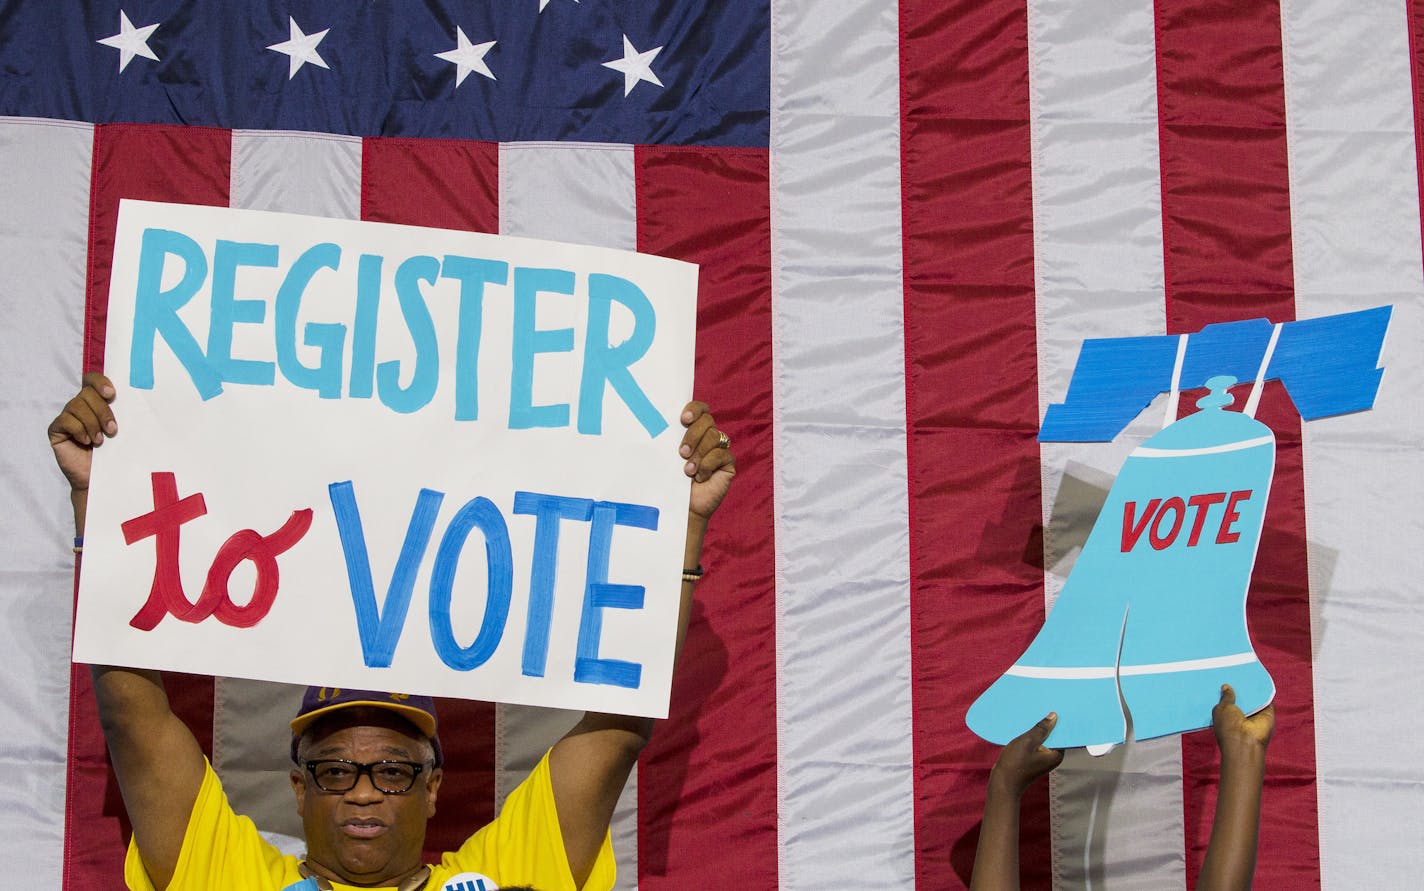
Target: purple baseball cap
x=318, y=702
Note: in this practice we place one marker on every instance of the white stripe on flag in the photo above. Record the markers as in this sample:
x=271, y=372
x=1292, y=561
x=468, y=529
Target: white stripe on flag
x=311, y=173
x=43, y=247
x=251, y=755
x=1355, y=215
x=1098, y=273
x=845, y=786
x=582, y=193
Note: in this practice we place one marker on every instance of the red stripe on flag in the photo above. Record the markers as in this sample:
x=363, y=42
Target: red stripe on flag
x=95, y=830
x=713, y=762
x=468, y=790
x=1227, y=241
x=152, y=162
x=451, y=185
x=189, y=165
x=1416, y=77
x=972, y=404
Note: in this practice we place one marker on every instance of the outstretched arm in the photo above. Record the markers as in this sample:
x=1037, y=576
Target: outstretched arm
x=1230, y=861
x=590, y=765
x=157, y=760
x=996, y=862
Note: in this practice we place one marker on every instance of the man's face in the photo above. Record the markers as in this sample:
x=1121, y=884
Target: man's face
x=365, y=836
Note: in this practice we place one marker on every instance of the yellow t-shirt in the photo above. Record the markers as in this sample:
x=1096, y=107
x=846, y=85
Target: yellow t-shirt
x=523, y=846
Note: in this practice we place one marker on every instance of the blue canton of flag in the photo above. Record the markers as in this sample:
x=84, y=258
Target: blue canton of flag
x=670, y=72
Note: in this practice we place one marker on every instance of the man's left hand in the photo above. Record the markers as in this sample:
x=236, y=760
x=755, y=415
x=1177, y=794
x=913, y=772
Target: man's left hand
x=709, y=462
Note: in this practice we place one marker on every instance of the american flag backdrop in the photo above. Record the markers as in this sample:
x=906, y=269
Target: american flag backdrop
x=908, y=218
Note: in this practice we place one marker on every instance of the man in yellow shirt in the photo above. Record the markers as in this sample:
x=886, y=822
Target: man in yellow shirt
x=367, y=766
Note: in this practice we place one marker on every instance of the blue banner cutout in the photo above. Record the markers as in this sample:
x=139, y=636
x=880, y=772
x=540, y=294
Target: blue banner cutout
x=1328, y=366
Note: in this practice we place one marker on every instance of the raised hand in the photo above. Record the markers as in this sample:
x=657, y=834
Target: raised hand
x=708, y=459
x=78, y=429
x=81, y=426
x=1236, y=734
x=1025, y=758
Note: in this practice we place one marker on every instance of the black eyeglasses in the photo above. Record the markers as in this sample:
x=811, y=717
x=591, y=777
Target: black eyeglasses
x=340, y=775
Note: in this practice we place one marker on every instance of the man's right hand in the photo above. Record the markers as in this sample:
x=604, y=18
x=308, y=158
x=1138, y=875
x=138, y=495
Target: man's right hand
x=156, y=759
x=76, y=431
x=80, y=426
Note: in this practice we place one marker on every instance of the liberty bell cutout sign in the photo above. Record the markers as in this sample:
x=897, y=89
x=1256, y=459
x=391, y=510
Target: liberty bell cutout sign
x=1153, y=614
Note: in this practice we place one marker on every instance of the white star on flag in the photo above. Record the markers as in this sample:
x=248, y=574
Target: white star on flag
x=131, y=41
x=300, y=49
x=467, y=57
x=544, y=3
x=635, y=66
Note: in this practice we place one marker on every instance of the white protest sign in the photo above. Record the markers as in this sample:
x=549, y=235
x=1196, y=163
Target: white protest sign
x=366, y=455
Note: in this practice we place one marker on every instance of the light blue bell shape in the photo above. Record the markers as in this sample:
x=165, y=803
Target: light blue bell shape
x=1154, y=610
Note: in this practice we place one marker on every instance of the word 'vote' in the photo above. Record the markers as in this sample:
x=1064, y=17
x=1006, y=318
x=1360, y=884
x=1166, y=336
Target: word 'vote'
x=1163, y=519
